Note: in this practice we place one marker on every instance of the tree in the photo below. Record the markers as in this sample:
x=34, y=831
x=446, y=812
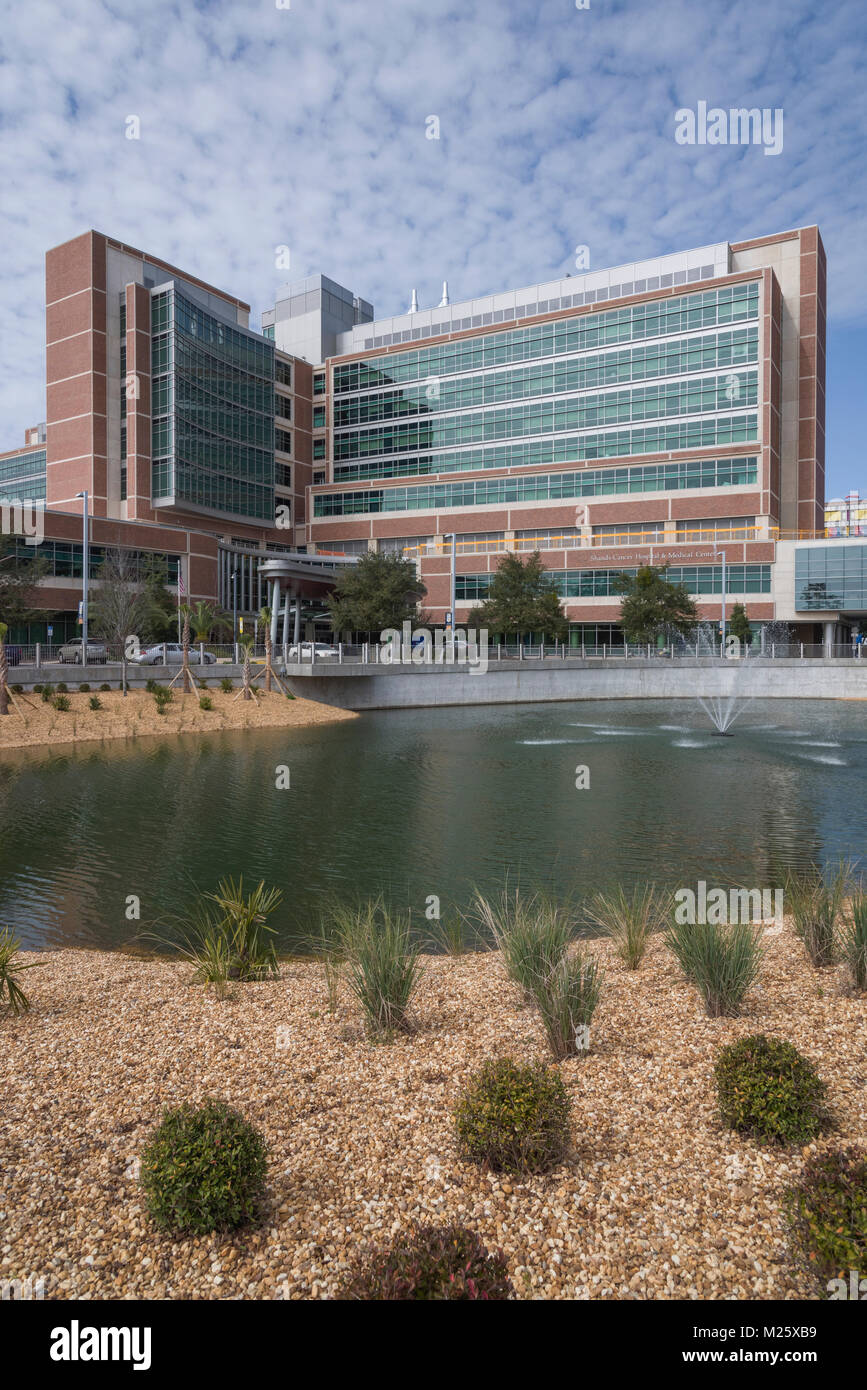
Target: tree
x=247, y=644
x=17, y=579
x=161, y=619
x=187, y=614
x=378, y=592
x=739, y=624
x=265, y=616
x=120, y=605
x=521, y=599
x=652, y=604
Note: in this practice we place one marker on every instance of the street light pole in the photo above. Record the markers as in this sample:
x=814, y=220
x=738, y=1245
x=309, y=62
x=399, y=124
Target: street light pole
x=451, y=536
x=85, y=575
x=235, y=607
x=722, y=555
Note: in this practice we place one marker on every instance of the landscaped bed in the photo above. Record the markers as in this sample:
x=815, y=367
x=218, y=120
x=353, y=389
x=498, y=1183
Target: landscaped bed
x=33, y=721
x=655, y=1199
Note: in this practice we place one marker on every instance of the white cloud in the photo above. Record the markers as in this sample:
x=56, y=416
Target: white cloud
x=307, y=126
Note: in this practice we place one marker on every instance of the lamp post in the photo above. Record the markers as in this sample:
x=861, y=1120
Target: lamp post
x=451, y=536
x=235, y=606
x=85, y=574
x=722, y=555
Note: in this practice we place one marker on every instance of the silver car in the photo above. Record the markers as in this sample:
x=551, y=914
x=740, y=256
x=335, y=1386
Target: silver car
x=171, y=654
x=71, y=651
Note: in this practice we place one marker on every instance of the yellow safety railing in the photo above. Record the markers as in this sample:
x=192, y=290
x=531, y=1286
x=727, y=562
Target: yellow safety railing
x=574, y=540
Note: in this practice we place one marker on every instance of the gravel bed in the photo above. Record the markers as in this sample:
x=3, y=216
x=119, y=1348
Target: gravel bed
x=655, y=1199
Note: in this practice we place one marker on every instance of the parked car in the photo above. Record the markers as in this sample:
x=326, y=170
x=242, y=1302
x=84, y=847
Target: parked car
x=13, y=656
x=307, y=651
x=71, y=651
x=171, y=654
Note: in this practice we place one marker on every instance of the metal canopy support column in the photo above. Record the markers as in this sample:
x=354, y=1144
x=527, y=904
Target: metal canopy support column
x=297, y=617
x=286, y=618
x=273, y=603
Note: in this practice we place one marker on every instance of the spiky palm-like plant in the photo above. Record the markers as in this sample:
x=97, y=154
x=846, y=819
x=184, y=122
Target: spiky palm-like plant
x=247, y=644
x=186, y=614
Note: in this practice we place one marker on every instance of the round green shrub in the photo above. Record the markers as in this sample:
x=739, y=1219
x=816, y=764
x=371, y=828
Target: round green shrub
x=827, y=1215
x=105, y=686
x=205, y=702
x=514, y=1118
x=38, y=689
x=768, y=1090
x=227, y=684
x=437, y=1263
x=62, y=688
x=84, y=688
x=204, y=1169
x=17, y=689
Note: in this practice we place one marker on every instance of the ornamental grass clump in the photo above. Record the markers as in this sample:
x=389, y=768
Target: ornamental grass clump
x=382, y=964
x=513, y=1118
x=815, y=901
x=566, y=999
x=769, y=1091
x=204, y=1170
x=434, y=1263
x=628, y=919
x=531, y=932
x=722, y=961
x=826, y=1214
x=853, y=938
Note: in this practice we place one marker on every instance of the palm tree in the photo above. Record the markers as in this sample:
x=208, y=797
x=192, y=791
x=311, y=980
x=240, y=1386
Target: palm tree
x=202, y=619
x=247, y=644
x=265, y=616
x=186, y=614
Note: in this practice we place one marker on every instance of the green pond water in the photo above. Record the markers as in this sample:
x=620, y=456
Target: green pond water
x=422, y=803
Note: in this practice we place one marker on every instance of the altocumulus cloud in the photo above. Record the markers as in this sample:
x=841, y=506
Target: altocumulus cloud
x=306, y=127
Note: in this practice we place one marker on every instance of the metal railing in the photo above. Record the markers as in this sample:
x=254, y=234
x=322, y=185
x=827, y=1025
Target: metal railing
x=204, y=655
x=713, y=530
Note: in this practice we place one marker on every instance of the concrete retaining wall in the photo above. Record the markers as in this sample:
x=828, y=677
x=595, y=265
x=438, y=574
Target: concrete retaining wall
x=370, y=687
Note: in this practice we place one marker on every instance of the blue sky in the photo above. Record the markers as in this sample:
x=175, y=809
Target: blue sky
x=305, y=126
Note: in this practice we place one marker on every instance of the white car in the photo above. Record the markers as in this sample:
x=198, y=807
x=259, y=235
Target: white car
x=174, y=655
x=311, y=651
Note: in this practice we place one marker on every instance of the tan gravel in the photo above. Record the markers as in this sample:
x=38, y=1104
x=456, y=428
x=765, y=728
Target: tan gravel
x=136, y=716
x=655, y=1200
